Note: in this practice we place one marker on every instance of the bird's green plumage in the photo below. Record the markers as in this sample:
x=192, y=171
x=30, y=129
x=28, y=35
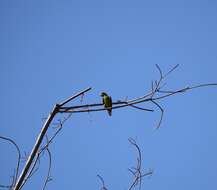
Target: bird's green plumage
x=107, y=101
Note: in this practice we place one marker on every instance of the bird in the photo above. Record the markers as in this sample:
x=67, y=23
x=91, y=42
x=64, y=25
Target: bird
x=107, y=101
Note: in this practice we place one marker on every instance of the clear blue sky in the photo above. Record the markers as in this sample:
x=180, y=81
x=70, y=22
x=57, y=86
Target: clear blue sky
x=50, y=50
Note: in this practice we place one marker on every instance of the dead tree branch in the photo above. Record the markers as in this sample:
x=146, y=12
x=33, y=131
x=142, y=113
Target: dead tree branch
x=41, y=135
x=48, y=178
x=35, y=148
x=137, y=171
x=103, y=183
x=18, y=161
x=154, y=96
x=162, y=113
x=156, y=93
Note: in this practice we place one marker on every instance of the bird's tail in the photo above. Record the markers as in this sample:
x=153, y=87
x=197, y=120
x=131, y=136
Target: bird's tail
x=110, y=112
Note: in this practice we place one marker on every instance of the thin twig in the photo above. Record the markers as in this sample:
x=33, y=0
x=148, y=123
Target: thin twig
x=18, y=159
x=171, y=70
x=103, y=183
x=182, y=90
x=6, y=186
x=48, y=178
x=162, y=113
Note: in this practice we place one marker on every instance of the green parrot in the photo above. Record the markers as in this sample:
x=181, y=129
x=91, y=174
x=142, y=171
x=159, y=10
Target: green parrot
x=107, y=101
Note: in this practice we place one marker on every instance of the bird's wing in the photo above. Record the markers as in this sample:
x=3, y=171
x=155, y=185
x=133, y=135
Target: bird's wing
x=107, y=101
x=110, y=101
x=103, y=101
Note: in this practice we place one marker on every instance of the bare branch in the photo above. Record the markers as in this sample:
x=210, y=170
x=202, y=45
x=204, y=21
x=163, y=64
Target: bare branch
x=59, y=127
x=18, y=159
x=33, y=170
x=120, y=104
x=146, y=98
x=74, y=96
x=182, y=90
x=171, y=70
x=36, y=163
x=6, y=186
x=35, y=148
x=139, y=108
x=160, y=71
x=136, y=171
x=48, y=178
x=162, y=113
x=103, y=183
x=73, y=110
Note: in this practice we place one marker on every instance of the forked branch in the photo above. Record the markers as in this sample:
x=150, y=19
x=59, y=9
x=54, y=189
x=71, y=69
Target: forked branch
x=137, y=171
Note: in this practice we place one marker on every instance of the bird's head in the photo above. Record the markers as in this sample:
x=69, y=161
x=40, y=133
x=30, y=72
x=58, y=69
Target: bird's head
x=103, y=94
